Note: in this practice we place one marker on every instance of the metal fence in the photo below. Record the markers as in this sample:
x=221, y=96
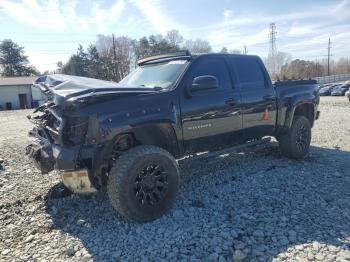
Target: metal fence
x=332, y=79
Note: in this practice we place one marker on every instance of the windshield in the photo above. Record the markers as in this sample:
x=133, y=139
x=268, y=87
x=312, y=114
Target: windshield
x=155, y=75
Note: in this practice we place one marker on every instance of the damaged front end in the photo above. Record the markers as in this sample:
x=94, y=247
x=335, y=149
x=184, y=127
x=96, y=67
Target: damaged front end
x=72, y=129
x=58, y=142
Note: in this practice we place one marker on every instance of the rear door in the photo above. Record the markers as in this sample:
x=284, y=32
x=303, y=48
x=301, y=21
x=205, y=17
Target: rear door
x=258, y=96
x=210, y=118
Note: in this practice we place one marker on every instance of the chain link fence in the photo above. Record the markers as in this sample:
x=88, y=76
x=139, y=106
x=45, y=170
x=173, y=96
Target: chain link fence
x=332, y=78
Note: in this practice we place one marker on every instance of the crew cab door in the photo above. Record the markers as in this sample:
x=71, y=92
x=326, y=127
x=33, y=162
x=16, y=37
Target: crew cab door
x=258, y=96
x=210, y=118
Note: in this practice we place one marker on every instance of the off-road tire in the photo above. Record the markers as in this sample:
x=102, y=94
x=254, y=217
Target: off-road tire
x=127, y=169
x=291, y=144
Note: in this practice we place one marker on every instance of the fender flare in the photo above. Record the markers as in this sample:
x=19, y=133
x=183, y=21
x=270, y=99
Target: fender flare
x=291, y=112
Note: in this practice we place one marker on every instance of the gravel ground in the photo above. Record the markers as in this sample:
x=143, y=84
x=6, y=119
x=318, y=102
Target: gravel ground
x=249, y=206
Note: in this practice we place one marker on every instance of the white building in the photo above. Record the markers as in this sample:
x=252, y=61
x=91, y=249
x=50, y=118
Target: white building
x=16, y=92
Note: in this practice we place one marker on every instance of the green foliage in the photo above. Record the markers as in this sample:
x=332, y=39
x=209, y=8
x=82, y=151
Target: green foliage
x=113, y=60
x=13, y=61
x=77, y=64
x=94, y=65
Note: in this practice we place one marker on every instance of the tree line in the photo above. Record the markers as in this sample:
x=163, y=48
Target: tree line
x=112, y=58
x=283, y=67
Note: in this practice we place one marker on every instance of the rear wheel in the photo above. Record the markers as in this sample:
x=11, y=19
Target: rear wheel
x=296, y=143
x=143, y=182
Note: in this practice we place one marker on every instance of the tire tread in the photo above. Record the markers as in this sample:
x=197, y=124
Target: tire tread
x=118, y=173
x=286, y=141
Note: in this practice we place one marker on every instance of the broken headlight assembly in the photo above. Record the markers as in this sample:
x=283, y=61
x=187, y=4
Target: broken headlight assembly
x=74, y=130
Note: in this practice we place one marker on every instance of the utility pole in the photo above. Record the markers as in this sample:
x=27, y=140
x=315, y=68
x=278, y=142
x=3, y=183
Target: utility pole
x=272, y=51
x=329, y=54
x=245, y=49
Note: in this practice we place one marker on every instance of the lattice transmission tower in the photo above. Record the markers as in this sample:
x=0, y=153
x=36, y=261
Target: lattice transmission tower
x=273, y=49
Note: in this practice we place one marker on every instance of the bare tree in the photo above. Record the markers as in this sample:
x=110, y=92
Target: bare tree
x=112, y=58
x=104, y=45
x=342, y=66
x=277, y=63
x=281, y=58
x=116, y=57
x=298, y=69
x=224, y=50
x=174, y=38
x=197, y=46
x=124, y=55
x=59, y=67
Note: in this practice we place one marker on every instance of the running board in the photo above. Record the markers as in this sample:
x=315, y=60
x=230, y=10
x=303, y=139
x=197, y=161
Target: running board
x=234, y=149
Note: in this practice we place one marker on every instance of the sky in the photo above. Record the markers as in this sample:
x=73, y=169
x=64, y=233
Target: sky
x=51, y=30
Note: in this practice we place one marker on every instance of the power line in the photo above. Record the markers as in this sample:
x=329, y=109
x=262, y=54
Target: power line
x=55, y=41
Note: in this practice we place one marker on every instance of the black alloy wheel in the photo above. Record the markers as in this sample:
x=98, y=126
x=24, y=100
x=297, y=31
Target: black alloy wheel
x=151, y=185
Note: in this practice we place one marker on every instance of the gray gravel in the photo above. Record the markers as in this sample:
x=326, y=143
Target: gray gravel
x=250, y=206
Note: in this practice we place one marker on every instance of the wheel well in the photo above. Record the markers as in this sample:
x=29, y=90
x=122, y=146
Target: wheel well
x=162, y=136
x=306, y=110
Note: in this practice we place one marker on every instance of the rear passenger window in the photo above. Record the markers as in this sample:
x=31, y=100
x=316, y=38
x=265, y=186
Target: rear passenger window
x=215, y=67
x=249, y=72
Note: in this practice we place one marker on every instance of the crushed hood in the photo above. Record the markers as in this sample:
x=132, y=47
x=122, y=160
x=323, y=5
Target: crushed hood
x=61, y=88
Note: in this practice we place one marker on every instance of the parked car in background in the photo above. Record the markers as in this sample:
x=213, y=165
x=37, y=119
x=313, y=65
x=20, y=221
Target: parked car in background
x=340, y=90
x=326, y=91
x=326, y=85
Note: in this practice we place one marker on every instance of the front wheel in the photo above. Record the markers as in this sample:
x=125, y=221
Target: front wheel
x=142, y=183
x=296, y=143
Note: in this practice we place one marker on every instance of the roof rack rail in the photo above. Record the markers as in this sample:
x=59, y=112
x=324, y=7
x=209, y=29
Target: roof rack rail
x=181, y=53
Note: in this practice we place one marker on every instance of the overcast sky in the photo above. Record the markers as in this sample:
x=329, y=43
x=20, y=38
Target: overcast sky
x=51, y=30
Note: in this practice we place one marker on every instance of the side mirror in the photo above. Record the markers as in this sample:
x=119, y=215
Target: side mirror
x=205, y=82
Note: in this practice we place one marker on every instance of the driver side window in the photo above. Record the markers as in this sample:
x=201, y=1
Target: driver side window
x=215, y=67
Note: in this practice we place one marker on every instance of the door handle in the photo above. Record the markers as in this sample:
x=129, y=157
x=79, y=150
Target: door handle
x=231, y=102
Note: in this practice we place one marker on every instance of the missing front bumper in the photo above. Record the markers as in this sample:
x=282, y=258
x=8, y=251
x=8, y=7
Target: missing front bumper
x=78, y=181
x=42, y=156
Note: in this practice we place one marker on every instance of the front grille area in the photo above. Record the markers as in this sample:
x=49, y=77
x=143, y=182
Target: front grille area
x=52, y=125
x=65, y=130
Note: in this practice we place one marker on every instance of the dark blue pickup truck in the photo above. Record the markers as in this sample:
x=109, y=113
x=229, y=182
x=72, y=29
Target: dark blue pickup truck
x=128, y=136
